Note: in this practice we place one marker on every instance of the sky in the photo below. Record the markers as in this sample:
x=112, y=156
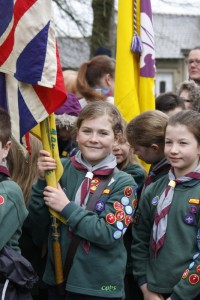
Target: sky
x=82, y=10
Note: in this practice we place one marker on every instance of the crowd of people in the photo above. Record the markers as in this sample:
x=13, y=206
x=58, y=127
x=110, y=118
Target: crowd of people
x=121, y=232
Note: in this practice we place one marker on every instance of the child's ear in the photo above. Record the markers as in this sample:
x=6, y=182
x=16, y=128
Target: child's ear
x=6, y=149
x=155, y=147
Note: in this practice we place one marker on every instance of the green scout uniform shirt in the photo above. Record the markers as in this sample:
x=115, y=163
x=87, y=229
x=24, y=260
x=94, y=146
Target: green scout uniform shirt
x=164, y=274
x=12, y=214
x=100, y=261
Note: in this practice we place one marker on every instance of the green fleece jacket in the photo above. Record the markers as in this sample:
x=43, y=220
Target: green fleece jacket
x=12, y=214
x=138, y=174
x=100, y=261
x=180, y=252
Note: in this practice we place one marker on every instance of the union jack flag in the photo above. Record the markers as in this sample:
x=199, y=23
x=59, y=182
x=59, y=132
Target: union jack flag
x=31, y=80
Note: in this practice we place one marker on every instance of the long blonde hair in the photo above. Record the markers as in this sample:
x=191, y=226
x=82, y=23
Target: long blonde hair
x=23, y=166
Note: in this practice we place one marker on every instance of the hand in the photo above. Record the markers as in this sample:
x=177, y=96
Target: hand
x=45, y=162
x=148, y=295
x=54, y=198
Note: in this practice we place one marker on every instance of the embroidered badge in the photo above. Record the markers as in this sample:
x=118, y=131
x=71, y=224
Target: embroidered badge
x=128, y=191
x=117, y=234
x=120, y=215
x=155, y=200
x=100, y=205
x=125, y=200
x=119, y=225
x=194, y=279
x=118, y=206
x=194, y=201
x=195, y=256
x=185, y=274
x=128, y=210
x=110, y=218
x=94, y=183
x=128, y=220
x=193, y=209
x=1, y=200
x=198, y=269
x=191, y=265
x=106, y=191
x=189, y=219
x=134, y=203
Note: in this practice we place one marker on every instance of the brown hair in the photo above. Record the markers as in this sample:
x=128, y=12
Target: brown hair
x=188, y=118
x=99, y=108
x=122, y=139
x=23, y=166
x=5, y=127
x=90, y=74
x=147, y=128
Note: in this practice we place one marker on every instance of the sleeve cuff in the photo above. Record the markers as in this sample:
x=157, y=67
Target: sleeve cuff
x=175, y=297
x=141, y=280
x=68, y=210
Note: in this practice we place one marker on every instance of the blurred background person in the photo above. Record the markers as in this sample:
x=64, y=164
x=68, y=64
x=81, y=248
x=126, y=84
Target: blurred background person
x=189, y=91
x=169, y=103
x=96, y=79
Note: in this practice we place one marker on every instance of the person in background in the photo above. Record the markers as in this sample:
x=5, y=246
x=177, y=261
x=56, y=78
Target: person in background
x=193, y=62
x=22, y=165
x=70, y=77
x=169, y=103
x=66, y=117
x=127, y=162
x=166, y=247
x=145, y=134
x=96, y=79
x=16, y=274
x=92, y=275
x=189, y=91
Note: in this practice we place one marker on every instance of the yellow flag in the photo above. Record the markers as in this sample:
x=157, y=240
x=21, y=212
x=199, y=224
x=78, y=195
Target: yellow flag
x=135, y=69
x=48, y=134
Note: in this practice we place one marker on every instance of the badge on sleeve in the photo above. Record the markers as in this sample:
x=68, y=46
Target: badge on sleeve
x=110, y=218
x=128, y=191
x=1, y=199
x=185, y=274
x=194, y=279
x=194, y=201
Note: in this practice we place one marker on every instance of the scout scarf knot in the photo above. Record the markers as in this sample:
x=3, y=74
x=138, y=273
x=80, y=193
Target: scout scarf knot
x=156, y=169
x=103, y=168
x=163, y=207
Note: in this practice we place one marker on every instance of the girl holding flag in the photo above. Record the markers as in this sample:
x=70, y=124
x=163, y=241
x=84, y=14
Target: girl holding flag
x=97, y=220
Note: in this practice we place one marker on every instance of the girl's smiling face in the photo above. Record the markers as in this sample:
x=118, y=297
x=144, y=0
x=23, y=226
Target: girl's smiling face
x=95, y=138
x=181, y=149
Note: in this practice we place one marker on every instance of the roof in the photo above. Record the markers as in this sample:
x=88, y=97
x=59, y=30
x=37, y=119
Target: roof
x=174, y=34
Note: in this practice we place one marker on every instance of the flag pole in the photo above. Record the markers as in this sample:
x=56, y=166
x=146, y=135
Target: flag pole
x=52, y=181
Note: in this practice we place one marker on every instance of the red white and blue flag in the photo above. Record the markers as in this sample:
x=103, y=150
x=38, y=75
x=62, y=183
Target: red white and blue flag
x=31, y=80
